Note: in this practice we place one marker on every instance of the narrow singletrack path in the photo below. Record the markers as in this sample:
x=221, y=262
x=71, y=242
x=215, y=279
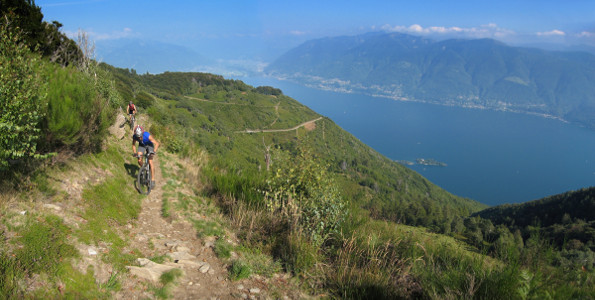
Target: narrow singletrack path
x=174, y=240
x=307, y=123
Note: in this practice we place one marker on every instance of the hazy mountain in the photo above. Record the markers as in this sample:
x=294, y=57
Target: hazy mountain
x=150, y=56
x=477, y=73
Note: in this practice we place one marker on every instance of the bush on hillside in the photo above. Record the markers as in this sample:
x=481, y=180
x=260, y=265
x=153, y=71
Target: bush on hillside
x=144, y=100
x=268, y=90
x=303, y=191
x=20, y=99
x=78, y=109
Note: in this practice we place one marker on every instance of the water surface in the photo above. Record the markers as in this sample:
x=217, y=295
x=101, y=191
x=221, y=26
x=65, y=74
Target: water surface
x=493, y=157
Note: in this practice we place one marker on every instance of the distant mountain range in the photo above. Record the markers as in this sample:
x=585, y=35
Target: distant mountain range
x=481, y=73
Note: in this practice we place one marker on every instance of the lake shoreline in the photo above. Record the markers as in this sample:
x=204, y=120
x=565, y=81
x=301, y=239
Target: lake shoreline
x=350, y=90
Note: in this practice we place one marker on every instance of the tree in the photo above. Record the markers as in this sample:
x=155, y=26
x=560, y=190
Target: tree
x=58, y=47
x=20, y=100
x=42, y=37
x=28, y=17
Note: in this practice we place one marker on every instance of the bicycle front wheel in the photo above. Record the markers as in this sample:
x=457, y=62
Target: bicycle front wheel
x=143, y=180
x=132, y=122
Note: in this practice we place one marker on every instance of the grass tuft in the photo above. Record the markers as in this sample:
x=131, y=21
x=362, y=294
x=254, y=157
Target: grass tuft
x=239, y=270
x=167, y=281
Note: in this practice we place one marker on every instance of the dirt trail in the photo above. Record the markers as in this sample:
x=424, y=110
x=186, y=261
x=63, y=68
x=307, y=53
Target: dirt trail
x=204, y=275
x=276, y=113
x=307, y=124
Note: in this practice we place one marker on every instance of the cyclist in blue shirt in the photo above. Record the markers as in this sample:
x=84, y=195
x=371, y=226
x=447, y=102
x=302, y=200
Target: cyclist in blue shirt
x=145, y=141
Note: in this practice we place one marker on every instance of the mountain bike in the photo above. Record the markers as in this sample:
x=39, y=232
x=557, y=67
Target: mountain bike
x=143, y=180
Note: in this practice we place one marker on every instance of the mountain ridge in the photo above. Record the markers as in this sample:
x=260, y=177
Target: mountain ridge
x=481, y=73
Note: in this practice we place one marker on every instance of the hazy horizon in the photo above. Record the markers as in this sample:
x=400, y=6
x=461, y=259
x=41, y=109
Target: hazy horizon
x=259, y=31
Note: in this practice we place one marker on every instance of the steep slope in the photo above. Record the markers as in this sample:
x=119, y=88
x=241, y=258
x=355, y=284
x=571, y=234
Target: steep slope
x=476, y=73
x=236, y=124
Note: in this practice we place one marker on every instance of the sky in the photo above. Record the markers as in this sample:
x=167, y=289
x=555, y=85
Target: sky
x=262, y=29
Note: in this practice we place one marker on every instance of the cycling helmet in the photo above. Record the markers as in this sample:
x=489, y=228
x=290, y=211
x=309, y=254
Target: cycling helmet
x=130, y=103
x=138, y=131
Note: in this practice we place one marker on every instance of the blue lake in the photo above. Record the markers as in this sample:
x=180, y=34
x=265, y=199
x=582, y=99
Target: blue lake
x=493, y=157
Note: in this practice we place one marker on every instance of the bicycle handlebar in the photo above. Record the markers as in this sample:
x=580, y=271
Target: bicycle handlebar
x=146, y=152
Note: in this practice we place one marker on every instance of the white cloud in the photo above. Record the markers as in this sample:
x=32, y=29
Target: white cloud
x=297, y=32
x=124, y=33
x=95, y=36
x=554, y=32
x=493, y=31
x=483, y=31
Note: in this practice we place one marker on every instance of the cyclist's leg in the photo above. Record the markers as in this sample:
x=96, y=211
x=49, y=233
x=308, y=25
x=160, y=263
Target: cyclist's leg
x=140, y=152
x=151, y=150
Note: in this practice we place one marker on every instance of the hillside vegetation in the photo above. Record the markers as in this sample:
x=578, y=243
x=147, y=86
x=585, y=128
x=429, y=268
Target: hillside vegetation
x=567, y=220
x=207, y=110
x=296, y=210
x=267, y=191
x=480, y=73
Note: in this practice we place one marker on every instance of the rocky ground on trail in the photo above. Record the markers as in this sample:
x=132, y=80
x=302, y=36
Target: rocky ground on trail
x=204, y=275
x=174, y=240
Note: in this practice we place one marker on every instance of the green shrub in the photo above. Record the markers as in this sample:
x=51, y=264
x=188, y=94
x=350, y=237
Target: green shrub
x=144, y=100
x=20, y=99
x=302, y=190
x=78, y=109
x=68, y=94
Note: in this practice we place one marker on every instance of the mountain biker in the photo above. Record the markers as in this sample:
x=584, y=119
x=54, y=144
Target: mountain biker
x=131, y=110
x=145, y=141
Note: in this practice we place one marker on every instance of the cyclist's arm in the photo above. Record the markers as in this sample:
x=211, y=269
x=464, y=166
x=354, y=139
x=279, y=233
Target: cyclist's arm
x=155, y=143
x=134, y=146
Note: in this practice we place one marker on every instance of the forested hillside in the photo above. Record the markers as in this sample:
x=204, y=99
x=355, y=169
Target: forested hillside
x=471, y=73
x=568, y=220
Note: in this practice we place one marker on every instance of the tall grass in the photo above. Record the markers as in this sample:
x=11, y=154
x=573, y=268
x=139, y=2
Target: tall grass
x=235, y=183
x=366, y=268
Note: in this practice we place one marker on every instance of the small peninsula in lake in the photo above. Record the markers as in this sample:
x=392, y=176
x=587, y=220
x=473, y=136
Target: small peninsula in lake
x=423, y=161
x=430, y=162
